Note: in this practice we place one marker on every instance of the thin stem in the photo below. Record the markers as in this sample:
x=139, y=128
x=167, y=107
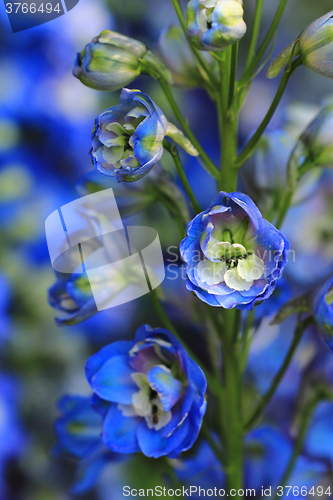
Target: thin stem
x=254, y=33
x=300, y=329
x=181, y=174
x=320, y=395
x=253, y=143
x=209, y=165
x=267, y=40
x=285, y=205
x=201, y=60
x=174, y=213
x=214, y=385
x=233, y=71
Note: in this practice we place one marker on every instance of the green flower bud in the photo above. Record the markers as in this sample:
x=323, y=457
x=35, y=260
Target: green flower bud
x=315, y=47
x=112, y=61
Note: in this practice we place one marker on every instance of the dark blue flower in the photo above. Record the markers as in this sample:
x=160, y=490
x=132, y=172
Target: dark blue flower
x=79, y=432
x=127, y=138
x=151, y=394
x=233, y=255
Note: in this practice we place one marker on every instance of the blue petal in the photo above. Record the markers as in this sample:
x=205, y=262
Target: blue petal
x=135, y=174
x=119, y=432
x=89, y=471
x=168, y=388
x=121, y=347
x=153, y=444
x=195, y=421
x=113, y=381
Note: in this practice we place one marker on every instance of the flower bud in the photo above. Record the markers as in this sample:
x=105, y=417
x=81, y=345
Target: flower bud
x=315, y=47
x=112, y=61
x=214, y=24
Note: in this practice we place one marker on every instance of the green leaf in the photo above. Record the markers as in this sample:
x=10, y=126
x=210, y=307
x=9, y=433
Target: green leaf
x=154, y=67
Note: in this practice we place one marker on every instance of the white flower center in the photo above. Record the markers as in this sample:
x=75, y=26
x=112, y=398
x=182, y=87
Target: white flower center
x=233, y=265
x=146, y=403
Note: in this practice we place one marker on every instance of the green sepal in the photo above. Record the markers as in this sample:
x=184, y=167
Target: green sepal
x=284, y=58
x=153, y=66
x=178, y=136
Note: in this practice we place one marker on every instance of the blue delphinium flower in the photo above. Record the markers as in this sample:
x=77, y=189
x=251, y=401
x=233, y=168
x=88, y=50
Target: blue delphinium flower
x=71, y=295
x=233, y=255
x=127, y=138
x=153, y=392
x=79, y=432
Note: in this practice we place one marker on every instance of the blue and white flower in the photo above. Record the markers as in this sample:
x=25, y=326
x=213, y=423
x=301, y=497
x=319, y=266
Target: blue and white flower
x=233, y=255
x=151, y=393
x=127, y=138
x=214, y=24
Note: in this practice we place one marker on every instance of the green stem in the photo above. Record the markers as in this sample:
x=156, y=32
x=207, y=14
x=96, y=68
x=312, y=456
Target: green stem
x=320, y=395
x=300, y=329
x=209, y=165
x=267, y=40
x=201, y=60
x=228, y=121
x=233, y=72
x=183, y=179
x=253, y=143
x=292, y=180
x=174, y=213
x=231, y=415
x=214, y=385
x=285, y=205
x=254, y=34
